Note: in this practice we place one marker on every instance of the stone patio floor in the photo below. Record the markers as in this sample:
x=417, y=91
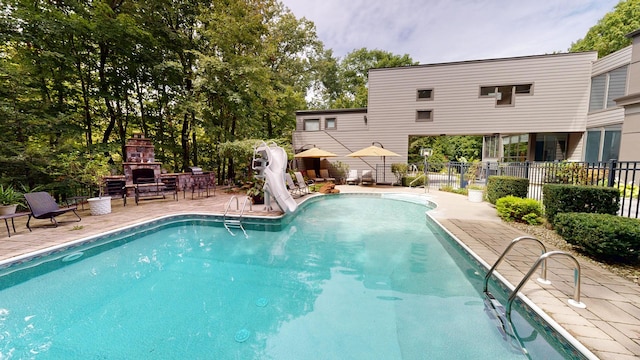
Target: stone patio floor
x=609, y=326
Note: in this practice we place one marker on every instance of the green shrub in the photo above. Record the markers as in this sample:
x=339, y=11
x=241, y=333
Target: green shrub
x=512, y=208
x=501, y=186
x=602, y=236
x=408, y=179
x=449, y=188
x=559, y=198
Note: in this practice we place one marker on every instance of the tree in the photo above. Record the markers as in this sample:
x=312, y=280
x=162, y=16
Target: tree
x=608, y=35
x=345, y=81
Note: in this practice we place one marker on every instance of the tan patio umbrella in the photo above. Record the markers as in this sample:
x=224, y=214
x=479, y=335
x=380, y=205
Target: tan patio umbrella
x=375, y=151
x=315, y=153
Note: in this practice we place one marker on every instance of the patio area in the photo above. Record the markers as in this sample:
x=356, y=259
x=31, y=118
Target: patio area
x=609, y=326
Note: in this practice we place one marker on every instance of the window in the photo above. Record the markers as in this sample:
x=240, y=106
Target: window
x=330, y=124
x=592, y=151
x=505, y=94
x=603, y=144
x=551, y=147
x=311, y=124
x=605, y=88
x=617, y=85
x=425, y=94
x=490, y=147
x=598, y=87
x=424, y=116
x=515, y=147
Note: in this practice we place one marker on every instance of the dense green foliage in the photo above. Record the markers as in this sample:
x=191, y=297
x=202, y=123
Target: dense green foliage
x=407, y=180
x=512, y=208
x=344, y=81
x=602, y=236
x=608, y=35
x=501, y=186
x=79, y=78
x=445, y=149
x=560, y=198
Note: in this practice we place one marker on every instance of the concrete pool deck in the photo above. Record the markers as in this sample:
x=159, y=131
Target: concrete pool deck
x=609, y=326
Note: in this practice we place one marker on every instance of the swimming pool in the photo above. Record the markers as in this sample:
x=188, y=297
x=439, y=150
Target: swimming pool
x=354, y=277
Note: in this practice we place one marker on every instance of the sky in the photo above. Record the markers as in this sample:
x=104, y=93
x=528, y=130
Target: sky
x=435, y=31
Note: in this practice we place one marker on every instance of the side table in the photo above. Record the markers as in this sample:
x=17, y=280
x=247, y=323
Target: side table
x=13, y=216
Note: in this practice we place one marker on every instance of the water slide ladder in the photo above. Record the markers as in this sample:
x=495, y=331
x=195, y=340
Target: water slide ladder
x=235, y=222
x=497, y=311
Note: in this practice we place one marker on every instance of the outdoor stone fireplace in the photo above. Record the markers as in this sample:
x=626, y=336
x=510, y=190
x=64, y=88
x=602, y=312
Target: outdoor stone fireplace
x=140, y=154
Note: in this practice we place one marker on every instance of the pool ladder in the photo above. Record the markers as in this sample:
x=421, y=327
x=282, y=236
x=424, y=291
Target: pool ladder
x=504, y=314
x=236, y=222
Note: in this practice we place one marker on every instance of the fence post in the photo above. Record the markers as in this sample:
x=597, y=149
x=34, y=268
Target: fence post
x=527, y=164
x=612, y=173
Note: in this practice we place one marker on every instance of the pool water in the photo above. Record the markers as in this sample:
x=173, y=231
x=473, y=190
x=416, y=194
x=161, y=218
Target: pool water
x=347, y=278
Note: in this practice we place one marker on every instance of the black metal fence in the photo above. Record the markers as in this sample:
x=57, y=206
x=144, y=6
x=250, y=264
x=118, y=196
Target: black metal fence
x=622, y=175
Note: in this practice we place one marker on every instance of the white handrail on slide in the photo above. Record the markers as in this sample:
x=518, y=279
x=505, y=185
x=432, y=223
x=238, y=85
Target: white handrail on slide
x=273, y=172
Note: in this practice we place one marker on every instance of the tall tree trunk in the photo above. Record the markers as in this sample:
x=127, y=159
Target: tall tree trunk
x=184, y=138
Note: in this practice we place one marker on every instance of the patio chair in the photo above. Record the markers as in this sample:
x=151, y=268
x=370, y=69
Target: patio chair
x=324, y=173
x=293, y=188
x=302, y=184
x=43, y=206
x=367, y=178
x=352, y=178
x=312, y=175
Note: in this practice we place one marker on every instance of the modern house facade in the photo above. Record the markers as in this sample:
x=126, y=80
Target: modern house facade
x=535, y=108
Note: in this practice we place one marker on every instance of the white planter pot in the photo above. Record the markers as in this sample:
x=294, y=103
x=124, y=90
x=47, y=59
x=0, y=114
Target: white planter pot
x=8, y=209
x=100, y=205
x=475, y=195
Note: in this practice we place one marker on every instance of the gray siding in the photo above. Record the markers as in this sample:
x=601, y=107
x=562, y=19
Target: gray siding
x=558, y=102
x=612, y=61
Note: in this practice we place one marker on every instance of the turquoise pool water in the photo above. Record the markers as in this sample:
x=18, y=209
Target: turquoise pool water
x=348, y=277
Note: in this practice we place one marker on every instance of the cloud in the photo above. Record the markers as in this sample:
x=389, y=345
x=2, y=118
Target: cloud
x=433, y=31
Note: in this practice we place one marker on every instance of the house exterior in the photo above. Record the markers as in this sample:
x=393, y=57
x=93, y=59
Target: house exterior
x=534, y=108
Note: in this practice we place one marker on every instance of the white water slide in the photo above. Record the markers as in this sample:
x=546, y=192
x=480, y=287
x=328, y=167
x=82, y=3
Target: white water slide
x=275, y=185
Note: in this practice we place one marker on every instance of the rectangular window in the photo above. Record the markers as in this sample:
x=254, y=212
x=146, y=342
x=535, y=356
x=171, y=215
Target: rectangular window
x=311, y=124
x=488, y=91
x=330, y=124
x=617, y=85
x=425, y=94
x=490, y=147
x=598, y=87
x=592, y=151
x=515, y=147
x=505, y=94
x=424, y=116
x=523, y=89
x=611, y=146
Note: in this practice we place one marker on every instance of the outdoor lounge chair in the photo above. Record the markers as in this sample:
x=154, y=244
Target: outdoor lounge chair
x=302, y=183
x=312, y=175
x=293, y=188
x=43, y=206
x=367, y=178
x=352, y=178
x=324, y=173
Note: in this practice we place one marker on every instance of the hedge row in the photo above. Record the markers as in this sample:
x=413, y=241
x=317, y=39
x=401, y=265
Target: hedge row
x=561, y=198
x=603, y=236
x=501, y=186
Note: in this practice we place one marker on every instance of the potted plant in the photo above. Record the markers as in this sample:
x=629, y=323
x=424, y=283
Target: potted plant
x=9, y=200
x=475, y=192
x=94, y=172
